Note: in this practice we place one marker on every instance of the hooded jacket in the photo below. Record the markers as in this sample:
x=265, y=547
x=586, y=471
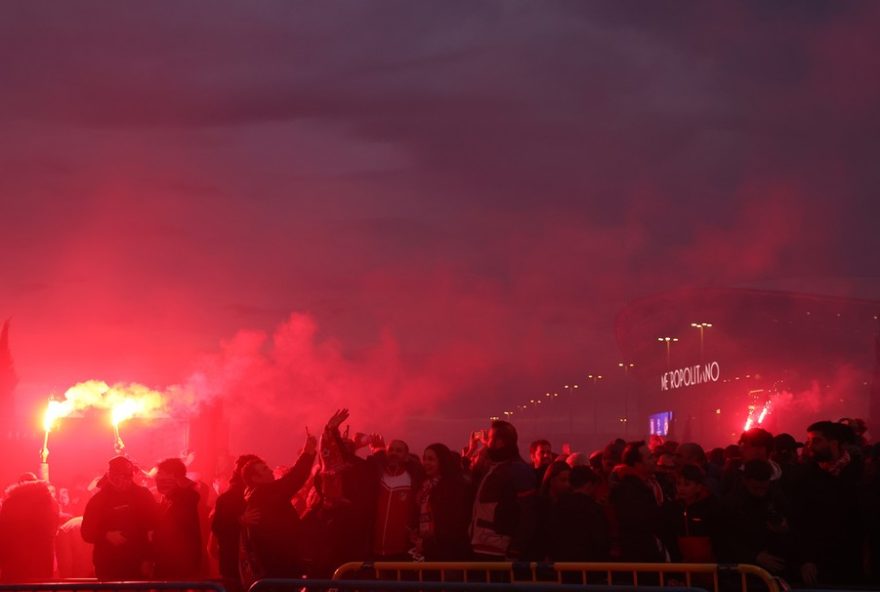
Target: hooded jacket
x=134, y=513
x=28, y=521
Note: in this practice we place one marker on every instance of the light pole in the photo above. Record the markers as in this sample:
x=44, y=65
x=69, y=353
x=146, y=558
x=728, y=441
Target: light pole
x=702, y=327
x=668, y=341
x=595, y=378
x=626, y=368
x=570, y=389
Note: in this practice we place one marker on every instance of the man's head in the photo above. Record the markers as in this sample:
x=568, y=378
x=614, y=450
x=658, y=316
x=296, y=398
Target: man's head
x=825, y=440
x=691, y=484
x=541, y=453
x=637, y=456
x=240, y=463
x=170, y=474
x=785, y=448
x=120, y=473
x=691, y=453
x=756, y=477
x=611, y=455
x=756, y=444
x=502, y=441
x=257, y=472
x=397, y=454
x=583, y=479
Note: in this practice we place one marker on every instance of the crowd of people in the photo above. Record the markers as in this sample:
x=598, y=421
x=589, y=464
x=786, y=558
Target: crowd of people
x=809, y=513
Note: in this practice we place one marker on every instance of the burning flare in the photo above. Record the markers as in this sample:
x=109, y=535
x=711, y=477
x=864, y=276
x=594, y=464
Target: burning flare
x=761, y=416
x=124, y=401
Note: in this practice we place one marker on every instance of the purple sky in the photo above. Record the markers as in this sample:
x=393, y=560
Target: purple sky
x=458, y=196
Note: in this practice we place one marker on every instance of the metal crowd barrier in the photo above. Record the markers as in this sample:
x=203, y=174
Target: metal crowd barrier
x=96, y=586
x=283, y=585
x=710, y=576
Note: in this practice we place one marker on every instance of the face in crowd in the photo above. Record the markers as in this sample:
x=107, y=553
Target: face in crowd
x=821, y=448
x=258, y=473
x=397, y=453
x=430, y=463
x=542, y=455
x=121, y=474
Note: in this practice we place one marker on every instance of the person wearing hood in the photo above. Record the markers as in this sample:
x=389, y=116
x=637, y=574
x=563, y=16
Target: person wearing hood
x=118, y=521
x=504, y=517
x=28, y=521
x=178, y=539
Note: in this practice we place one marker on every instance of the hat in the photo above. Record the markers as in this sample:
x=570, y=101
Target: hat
x=786, y=441
x=119, y=465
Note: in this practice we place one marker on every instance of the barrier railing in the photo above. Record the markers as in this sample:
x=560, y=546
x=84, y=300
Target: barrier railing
x=280, y=585
x=96, y=586
x=711, y=576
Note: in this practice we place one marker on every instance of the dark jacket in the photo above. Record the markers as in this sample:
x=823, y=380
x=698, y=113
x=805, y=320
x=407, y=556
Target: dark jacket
x=226, y=526
x=505, y=515
x=178, y=537
x=829, y=523
x=450, y=504
x=578, y=530
x=270, y=548
x=28, y=521
x=639, y=520
x=751, y=525
x=693, y=530
x=133, y=512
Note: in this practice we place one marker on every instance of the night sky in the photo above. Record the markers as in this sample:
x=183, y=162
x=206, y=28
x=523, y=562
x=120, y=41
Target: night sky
x=414, y=208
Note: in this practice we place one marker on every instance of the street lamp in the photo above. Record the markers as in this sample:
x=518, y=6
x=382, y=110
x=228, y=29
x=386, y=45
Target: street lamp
x=626, y=366
x=668, y=341
x=570, y=389
x=702, y=327
x=595, y=378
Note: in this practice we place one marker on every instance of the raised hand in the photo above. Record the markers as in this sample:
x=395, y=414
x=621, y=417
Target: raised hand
x=338, y=418
x=311, y=445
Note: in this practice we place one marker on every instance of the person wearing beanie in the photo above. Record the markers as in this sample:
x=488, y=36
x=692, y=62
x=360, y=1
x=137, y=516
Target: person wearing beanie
x=118, y=520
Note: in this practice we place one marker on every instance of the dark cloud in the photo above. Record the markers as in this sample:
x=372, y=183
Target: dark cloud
x=482, y=184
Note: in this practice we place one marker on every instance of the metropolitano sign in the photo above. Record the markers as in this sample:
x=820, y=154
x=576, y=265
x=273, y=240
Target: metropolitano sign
x=690, y=376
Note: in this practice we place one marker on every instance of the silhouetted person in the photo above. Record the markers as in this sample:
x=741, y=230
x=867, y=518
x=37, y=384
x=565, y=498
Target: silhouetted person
x=830, y=528
x=637, y=499
x=691, y=453
x=554, y=484
x=397, y=479
x=28, y=521
x=579, y=529
x=504, y=518
x=178, y=538
x=270, y=523
x=340, y=516
x=755, y=526
x=754, y=444
x=226, y=524
x=73, y=555
x=118, y=520
x=443, y=507
x=695, y=518
x=785, y=454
